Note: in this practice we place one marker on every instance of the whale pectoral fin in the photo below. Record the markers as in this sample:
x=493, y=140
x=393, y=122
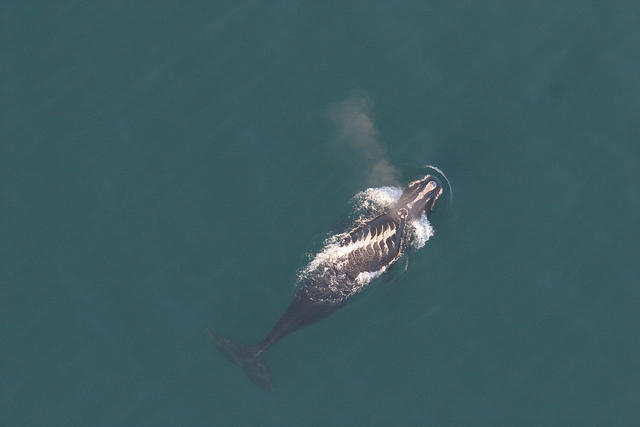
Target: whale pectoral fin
x=250, y=358
x=389, y=276
x=402, y=269
x=393, y=273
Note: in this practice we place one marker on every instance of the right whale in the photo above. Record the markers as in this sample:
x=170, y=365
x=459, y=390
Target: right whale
x=346, y=266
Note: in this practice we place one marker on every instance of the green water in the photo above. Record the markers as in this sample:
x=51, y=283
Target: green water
x=166, y=167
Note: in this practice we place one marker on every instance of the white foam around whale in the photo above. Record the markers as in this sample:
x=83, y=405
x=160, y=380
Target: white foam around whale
x=376, y=199
x=420, y=232
x=369, y=203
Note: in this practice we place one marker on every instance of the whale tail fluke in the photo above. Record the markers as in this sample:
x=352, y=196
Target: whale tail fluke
x=250, y=358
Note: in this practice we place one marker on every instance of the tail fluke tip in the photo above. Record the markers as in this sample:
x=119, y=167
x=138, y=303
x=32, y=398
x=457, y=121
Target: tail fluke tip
x=249, y=358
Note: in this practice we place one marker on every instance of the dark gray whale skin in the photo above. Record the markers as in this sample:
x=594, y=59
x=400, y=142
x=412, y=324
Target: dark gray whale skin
x=378, y=242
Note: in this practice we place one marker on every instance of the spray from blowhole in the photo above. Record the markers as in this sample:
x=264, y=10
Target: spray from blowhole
x=357, y=129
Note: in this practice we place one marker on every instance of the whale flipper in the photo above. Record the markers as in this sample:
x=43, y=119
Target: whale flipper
x=250, y=358
x=392, y=274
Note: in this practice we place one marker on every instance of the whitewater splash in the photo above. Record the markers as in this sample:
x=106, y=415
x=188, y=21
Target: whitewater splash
x=376, y=200
x=327, y=265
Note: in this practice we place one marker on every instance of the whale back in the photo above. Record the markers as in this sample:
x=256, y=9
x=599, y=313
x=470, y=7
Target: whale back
x=360, y=255
x=372, y=245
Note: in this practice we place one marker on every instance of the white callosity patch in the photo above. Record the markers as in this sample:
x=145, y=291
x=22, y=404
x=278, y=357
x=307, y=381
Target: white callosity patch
x=329, y=266
x=429, y=187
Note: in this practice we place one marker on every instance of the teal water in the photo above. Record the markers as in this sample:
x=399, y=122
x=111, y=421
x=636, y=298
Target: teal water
x=166, y=168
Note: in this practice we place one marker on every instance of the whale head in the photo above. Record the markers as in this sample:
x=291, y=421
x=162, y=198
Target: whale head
x=419, y=197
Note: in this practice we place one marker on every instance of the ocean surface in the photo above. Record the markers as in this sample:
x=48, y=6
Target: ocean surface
x=170, y=167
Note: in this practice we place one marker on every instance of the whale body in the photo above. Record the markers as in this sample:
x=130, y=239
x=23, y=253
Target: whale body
x=345, y=267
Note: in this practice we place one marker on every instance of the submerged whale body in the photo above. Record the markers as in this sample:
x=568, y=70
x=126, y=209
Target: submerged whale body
x=347, y=265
